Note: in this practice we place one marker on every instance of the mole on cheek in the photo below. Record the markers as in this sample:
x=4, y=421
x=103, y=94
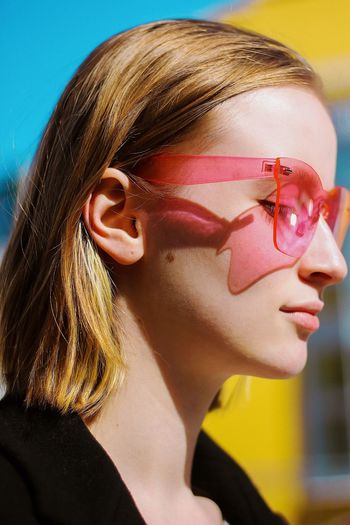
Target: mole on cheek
x=169, y=257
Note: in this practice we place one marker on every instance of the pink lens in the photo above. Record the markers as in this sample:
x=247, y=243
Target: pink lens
x=300, y=201
x=337, y=213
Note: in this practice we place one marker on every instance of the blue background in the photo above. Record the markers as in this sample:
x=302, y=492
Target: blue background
x=43, y=42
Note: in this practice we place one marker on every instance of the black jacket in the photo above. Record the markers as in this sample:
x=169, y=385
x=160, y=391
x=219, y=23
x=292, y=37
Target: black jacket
x=54, y=472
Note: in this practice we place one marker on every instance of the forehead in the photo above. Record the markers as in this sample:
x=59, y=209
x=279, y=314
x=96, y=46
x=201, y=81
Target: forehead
x=288, y=121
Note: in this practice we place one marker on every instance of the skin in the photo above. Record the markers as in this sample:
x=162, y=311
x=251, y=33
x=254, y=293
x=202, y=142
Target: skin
x=185, y=331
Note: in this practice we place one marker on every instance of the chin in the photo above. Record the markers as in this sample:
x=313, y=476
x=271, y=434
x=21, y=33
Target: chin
x=288, y=363
x=291, y=369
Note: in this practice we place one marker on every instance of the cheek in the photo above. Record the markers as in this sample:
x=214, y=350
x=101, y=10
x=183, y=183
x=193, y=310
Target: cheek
x=178, y=224
x=253, y=254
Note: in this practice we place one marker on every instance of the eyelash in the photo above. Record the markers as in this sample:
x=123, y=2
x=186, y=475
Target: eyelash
x=270, y=214
x=284, y=210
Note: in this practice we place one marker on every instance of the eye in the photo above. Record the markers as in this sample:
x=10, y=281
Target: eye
x=269, y=206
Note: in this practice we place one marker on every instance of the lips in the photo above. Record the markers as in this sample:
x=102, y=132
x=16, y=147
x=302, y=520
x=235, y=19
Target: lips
x=312, y=308
x=304, y=314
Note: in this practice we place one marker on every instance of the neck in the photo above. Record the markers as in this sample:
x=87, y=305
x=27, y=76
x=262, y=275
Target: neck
x=150, y=427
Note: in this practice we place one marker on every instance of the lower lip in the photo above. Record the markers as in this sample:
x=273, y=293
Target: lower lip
x=309, y=321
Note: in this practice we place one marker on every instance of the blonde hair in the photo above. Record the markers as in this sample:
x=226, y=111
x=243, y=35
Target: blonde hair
x=137, y=93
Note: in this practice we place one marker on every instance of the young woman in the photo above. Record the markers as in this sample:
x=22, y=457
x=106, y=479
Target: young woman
x=179, y=225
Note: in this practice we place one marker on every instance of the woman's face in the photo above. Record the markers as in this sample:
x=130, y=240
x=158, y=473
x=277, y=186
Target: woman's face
x=211, y=301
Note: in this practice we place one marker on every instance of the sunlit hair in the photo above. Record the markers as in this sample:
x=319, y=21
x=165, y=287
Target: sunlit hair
x=137, y=93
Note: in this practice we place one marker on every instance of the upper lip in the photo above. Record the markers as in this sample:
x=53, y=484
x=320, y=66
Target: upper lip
x=312, y=308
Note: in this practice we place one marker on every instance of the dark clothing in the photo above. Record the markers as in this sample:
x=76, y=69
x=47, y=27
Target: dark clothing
x=54, y=472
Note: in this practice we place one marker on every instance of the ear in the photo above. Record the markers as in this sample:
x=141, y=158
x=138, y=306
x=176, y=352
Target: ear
x=111, y=220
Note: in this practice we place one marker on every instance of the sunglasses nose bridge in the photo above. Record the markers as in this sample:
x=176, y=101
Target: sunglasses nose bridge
x=325, y=235
x=324, y=256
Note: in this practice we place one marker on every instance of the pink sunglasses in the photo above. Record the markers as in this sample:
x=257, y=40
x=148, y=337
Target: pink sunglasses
x=296, y=203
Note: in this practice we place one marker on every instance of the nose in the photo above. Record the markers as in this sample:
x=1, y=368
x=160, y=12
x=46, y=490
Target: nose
x=323, y=262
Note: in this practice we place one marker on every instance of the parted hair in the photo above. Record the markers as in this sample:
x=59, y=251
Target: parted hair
x=138, y=92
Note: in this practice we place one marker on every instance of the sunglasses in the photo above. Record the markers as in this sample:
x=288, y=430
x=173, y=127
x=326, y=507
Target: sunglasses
x=295, y=204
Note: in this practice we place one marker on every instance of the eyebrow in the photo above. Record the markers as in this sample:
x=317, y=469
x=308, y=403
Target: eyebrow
x=263, y=187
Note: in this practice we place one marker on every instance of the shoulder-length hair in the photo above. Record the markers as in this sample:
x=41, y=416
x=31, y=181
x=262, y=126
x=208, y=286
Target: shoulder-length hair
x=137, y=93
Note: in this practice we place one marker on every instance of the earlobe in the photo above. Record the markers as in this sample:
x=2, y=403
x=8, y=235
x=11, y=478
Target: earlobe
x=112, y=221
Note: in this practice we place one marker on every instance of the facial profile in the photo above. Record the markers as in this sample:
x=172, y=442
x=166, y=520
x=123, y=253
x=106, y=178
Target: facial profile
x=231, y=282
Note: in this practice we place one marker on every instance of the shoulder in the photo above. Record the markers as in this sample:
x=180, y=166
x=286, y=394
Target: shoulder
x=216, y=474
x=58, y=470
x=16, y=505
